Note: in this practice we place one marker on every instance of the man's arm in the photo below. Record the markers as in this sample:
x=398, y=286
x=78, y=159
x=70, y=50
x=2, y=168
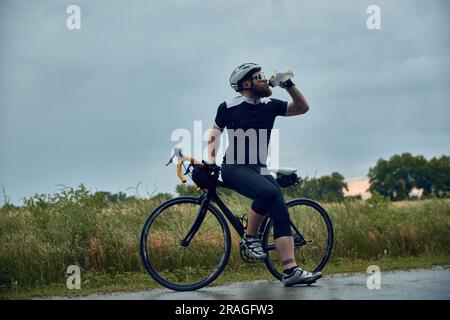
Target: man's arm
x=213, y=143
x=298, y=105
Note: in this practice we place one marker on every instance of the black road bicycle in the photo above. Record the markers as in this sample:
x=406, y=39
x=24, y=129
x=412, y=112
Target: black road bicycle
x=192, y=232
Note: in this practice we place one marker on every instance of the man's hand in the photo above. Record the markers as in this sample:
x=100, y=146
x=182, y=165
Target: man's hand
x=287, y=84
x=211, y=167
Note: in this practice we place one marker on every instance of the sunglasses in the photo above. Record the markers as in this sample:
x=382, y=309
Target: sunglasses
x=260, y=76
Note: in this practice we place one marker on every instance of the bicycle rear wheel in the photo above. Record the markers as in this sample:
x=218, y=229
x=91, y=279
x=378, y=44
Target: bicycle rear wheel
x=312, y=231
x=179, y=266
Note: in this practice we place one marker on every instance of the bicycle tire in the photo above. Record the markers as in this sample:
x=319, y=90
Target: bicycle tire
x=212, y=216
x=311, y=208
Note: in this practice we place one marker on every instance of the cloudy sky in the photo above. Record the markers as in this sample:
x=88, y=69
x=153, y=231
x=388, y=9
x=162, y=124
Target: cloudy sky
x=98, y=105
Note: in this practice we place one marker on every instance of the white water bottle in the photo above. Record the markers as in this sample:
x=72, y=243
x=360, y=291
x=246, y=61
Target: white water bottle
x=280, y=77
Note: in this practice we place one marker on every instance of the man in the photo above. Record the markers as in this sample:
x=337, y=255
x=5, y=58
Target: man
x=249, y=119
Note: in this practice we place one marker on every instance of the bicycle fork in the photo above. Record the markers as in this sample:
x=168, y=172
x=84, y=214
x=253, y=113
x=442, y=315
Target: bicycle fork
x=197, y=223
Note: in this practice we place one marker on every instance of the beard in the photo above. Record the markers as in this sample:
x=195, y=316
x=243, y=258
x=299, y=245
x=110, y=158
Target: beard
x=261, y=92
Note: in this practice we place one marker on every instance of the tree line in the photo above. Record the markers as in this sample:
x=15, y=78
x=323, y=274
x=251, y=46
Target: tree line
x=394, y=179
x=327, y=188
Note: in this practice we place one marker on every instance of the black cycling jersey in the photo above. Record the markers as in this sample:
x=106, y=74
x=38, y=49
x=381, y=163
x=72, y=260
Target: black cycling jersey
x=249, y=123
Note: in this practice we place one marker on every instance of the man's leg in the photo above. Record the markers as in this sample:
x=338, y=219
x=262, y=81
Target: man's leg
x=247, y=180
x=251, y=241
x=285, y=250
x=254, y=222
x=284, y=243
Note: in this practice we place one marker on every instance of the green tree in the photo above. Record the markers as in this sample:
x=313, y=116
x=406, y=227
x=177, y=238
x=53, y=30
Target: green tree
x=439, y=176
x=106, y=197
x=331, y=188
x=396, y=177
x=162, y=196
x=186, y=190
x=326, y=188
x=189, y=190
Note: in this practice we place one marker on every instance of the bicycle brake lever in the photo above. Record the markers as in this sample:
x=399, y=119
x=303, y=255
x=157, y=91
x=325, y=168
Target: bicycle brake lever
x=176, y=153
x=188, y=169
x=170, y=160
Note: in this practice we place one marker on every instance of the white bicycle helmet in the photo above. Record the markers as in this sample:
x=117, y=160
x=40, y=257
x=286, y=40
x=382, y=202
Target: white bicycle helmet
x=241, y=72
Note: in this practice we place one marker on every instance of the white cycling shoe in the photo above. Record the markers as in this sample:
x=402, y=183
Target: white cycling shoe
x=251, y=249
x=299, y=276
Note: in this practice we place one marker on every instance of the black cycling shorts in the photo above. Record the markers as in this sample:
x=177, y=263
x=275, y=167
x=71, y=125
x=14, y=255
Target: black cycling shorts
x=267, y=197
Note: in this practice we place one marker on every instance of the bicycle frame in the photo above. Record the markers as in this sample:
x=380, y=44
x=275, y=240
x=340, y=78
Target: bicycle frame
x=205, y=199
x=211, y=195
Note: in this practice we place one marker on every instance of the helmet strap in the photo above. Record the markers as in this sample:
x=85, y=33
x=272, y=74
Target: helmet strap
x=251, y=81
x=240, y=87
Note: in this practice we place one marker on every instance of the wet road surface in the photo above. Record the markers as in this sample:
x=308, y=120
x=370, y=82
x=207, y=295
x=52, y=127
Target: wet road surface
x=404, y=285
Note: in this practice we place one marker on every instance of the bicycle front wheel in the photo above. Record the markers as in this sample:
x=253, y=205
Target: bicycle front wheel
x=174, y=264
x=312, y=231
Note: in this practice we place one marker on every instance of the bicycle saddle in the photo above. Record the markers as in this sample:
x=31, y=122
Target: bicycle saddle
x=283, y=171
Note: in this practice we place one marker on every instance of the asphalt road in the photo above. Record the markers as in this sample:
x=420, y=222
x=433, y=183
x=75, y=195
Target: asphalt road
x=426, y=284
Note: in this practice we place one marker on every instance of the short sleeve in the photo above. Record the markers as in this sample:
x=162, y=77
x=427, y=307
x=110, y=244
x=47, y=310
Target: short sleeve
x=221, y=120
x=279, y=107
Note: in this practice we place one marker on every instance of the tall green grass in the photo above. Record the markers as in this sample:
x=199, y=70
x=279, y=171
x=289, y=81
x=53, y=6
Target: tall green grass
x=39, y=240
x=381, y=229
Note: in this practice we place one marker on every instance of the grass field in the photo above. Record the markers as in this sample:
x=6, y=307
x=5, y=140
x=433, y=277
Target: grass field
x=50, y=232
